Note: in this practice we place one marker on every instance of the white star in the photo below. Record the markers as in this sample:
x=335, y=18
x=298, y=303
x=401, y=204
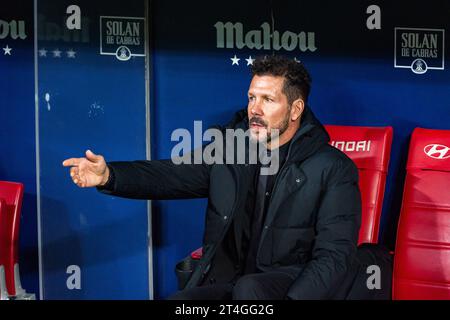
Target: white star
x=7, y=50
x=235, y=60
x=57, y=53
x=250, y=61
x=71, y=54
x=43, y=52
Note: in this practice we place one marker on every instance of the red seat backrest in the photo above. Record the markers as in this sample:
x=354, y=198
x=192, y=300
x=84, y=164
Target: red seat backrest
x=3, y=292
x=12, y=194
x=422, y=255
x=370, y=149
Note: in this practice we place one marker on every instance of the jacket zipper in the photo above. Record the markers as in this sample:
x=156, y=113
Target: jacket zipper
x=276, y=183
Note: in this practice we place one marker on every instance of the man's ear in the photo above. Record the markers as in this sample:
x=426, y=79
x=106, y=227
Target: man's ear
x=298, y=107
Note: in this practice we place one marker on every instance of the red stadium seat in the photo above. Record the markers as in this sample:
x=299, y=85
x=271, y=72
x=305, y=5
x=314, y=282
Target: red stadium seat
x=422, y=257
x=12, y=194
x=370, y=149
x=197, y=254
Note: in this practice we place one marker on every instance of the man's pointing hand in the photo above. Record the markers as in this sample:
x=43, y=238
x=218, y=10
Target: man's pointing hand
x=88, y=172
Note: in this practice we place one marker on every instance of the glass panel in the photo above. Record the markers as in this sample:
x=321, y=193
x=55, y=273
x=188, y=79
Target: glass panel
x=92, y=94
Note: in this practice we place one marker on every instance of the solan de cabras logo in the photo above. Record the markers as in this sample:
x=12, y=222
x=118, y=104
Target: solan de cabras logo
x=419, y=49
x=123, y=37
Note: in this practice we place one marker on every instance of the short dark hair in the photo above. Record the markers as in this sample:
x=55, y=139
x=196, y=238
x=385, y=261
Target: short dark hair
x=297, y=81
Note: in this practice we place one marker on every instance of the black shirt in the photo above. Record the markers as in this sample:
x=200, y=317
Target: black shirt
x=264, y=185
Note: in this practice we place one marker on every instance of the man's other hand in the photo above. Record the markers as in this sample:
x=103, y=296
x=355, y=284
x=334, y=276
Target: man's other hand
x=88, y=172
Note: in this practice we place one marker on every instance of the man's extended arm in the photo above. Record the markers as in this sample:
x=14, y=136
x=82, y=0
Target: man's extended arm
x=152, y=180
x=158, y=180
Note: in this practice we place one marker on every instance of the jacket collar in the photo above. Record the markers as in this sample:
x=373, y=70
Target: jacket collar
x=310, y=137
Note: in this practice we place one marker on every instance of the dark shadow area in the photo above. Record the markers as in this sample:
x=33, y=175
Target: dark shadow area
x=393, y=199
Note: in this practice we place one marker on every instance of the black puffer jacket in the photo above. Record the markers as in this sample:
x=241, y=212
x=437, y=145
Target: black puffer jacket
x=312, y=222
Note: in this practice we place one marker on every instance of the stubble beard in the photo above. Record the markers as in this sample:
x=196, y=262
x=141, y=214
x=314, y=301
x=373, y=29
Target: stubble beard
x=278, y=129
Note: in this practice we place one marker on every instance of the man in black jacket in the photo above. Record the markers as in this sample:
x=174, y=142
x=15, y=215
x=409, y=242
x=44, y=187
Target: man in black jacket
x=289, y=235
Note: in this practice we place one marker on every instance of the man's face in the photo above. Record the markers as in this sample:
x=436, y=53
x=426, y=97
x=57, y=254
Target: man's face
x=268, y=107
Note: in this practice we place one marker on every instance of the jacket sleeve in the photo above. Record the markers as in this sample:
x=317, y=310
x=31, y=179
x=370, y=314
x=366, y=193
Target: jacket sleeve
x=337, y=230
x=159, y=180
